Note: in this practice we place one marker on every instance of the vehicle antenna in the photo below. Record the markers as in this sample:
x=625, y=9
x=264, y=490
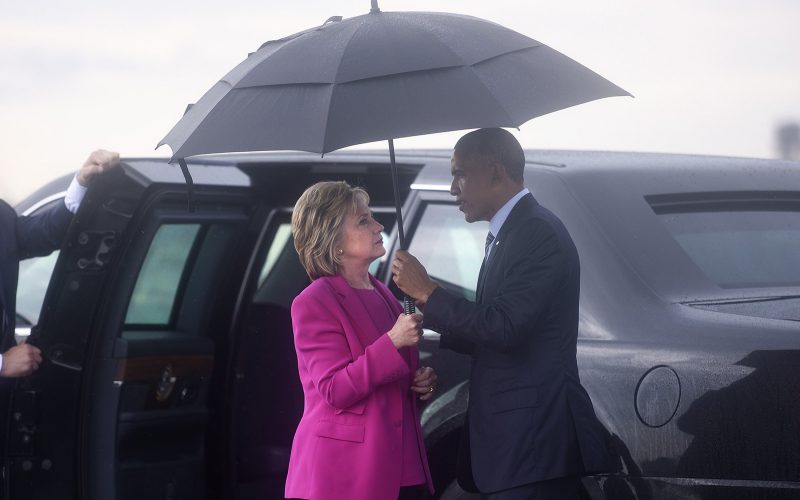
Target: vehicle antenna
x=374, y=8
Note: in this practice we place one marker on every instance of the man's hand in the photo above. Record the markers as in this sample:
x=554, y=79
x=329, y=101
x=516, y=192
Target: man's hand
x=98, y=162
x=411, y=277
x=21, y=360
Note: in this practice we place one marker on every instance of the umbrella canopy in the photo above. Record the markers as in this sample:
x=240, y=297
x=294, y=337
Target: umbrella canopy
x=380, y=76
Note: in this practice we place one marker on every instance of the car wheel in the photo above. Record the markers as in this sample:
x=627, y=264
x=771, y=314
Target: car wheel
x=454, y=492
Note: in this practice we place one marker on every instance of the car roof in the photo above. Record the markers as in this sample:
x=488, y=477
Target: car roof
x=617, y=197
x=571, y=164
x=604, y=187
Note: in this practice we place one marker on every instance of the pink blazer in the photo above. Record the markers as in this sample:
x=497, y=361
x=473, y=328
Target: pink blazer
x=347, y=445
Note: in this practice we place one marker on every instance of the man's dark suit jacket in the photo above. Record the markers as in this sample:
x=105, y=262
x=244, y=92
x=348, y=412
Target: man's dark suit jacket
x=22, y=238
x=529, y=418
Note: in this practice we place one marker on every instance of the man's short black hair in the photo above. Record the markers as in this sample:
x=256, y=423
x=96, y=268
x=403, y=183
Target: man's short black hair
x=493, y=145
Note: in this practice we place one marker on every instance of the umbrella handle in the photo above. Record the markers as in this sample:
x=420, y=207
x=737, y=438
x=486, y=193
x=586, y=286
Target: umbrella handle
x=408, y=305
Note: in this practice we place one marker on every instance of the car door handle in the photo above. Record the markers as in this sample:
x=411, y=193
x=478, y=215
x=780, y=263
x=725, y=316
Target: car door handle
x=65, y=357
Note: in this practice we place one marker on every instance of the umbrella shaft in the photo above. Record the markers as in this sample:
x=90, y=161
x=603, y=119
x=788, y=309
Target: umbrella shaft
x=397, y=201
x=408, y=302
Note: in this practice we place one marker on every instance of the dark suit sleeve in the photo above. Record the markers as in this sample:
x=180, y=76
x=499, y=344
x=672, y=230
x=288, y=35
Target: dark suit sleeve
x=533, y=271
x=43, y=233
x=456, y=344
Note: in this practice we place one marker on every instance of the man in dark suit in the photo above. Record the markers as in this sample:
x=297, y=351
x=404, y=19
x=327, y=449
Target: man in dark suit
x=531, y=428
x=38, y=235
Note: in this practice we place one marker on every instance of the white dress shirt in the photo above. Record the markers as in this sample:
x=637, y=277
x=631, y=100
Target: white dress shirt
x=74, y=196
x=501, y=215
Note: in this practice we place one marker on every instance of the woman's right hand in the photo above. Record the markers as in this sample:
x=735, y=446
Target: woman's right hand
x=406, y=330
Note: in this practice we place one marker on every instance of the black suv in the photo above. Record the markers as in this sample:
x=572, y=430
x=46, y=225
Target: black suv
x=171, y=371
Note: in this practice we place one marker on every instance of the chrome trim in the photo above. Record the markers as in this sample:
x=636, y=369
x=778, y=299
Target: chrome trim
x=430, y=334
x=440, y=402
x=39, y=204
x=22, y=331
x=431, y=187
x=729, y=483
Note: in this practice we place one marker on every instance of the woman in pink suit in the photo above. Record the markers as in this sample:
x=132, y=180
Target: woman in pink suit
x=359, y=438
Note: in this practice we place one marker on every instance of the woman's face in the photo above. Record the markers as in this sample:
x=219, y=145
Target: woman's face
x=361, y=241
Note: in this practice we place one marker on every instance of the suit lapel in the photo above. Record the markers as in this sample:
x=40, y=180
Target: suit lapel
x=481, y=275
x=523, y=206
x=486, y=266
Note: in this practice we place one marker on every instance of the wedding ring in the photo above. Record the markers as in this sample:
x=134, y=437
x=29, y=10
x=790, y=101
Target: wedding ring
x=430, y=389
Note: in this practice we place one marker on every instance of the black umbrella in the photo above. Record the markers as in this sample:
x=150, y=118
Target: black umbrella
x=381, y=76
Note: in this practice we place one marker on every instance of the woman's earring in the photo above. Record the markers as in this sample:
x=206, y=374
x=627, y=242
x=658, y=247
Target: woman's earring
x=340, y=251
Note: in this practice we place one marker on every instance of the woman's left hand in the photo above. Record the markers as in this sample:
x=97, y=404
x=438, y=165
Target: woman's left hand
x=424, y=382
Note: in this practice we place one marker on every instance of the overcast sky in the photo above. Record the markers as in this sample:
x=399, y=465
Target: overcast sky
x=709, y=76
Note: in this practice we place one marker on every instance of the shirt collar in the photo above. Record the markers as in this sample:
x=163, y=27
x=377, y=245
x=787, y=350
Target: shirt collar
x=500, y=217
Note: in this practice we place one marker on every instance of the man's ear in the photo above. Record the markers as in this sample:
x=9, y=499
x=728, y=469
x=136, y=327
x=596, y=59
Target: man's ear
x=498, y=172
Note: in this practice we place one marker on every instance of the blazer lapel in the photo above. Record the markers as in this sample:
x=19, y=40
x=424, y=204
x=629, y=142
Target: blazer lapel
x=397, y=309
x=387, y=295
x=357, y=314
x=361, y=319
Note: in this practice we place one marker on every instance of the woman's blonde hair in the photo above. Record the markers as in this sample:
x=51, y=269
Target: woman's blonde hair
x=318, y=221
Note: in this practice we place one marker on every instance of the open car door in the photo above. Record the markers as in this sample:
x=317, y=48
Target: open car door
x=133, y=325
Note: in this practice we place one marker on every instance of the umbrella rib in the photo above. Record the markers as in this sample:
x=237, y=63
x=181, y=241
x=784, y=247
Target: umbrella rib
x=389, y=75
x=332, y=85
x=344, y=51
x=440, y=68
x=483, y=84
x=538, y=46
x=378, y=77
x=325, y=121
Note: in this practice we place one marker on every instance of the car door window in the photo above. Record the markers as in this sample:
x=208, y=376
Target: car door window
x=450, y=248
x=34, y=277
x=157, y=286
x=283, y=237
